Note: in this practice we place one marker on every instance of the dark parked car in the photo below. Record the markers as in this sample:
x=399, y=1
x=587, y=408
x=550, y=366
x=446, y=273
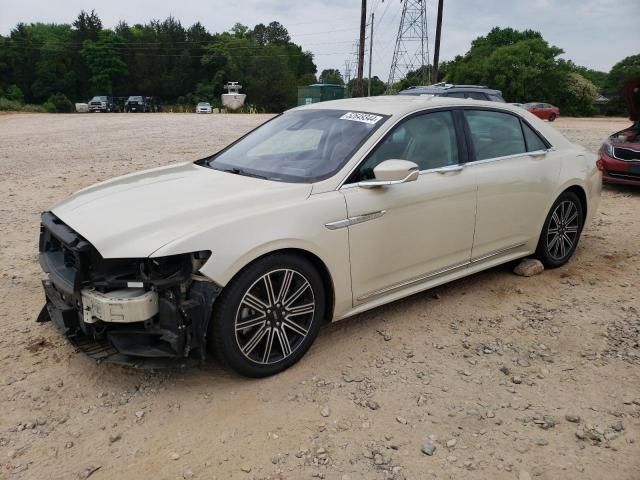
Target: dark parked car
x=137, y=103
x=620, y=155
x=103, y=103
x=545, y=111
x=475, y=92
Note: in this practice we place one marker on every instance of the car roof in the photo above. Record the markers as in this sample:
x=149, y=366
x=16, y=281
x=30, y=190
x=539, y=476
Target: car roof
x=440, y=90
x=401, y=104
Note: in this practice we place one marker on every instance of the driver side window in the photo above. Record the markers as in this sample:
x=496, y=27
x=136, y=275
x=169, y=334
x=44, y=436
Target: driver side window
x=429, y=140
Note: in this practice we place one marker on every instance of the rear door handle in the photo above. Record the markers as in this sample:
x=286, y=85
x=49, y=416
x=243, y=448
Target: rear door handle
x=451, y=169
x=539, y=153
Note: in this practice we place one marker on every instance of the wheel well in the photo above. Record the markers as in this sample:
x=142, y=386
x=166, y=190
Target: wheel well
x=322, y=269
x=583, y=199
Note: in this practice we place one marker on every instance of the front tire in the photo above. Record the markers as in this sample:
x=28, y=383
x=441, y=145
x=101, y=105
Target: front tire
x=552, y=117
x=269, y=315
x=561, y=231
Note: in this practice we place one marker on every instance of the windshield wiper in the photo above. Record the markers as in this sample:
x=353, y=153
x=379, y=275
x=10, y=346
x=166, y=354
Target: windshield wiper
x=244, y=173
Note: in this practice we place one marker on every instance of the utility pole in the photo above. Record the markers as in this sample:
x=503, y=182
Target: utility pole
x=358, y=91
x=370, y=55
x=436, y=53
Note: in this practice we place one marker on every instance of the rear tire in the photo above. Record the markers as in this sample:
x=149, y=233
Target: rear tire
x=268, y=316
x=561, y=231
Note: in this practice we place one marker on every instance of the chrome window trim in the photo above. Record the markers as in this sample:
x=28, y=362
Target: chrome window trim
x=451, y=108
x=509, y=157
x=437, y=273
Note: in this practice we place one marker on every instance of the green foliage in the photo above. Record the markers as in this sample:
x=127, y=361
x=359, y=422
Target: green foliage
x=14, y=106
x=420, y=76
x=331, y=75
x=14, y=93
x=58, y=103
x=581, y=93
x=307, y=79
x=526, y=68
x=9, y=105
x=160, y=58
x=621, y=73
x=378, y=87
x=104, y=61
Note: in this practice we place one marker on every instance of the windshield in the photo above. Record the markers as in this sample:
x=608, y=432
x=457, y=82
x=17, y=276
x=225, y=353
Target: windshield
x=99, y=99
x=299, y=146
x=203, y=104
x=134, y=99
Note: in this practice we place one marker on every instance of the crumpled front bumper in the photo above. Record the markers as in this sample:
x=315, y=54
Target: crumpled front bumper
x=132, y=345
x=170, y=331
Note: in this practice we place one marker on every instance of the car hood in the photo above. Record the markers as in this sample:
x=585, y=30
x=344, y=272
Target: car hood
x=135, y=215
x=631, y=95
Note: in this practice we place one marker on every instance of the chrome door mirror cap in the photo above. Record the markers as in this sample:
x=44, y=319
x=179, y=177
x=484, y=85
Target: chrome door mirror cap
x=392, y=172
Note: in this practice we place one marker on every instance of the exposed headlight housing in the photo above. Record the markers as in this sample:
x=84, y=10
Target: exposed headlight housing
x=607, y=148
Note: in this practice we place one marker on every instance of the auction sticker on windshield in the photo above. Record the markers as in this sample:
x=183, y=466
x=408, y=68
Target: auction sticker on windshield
x=361, y=117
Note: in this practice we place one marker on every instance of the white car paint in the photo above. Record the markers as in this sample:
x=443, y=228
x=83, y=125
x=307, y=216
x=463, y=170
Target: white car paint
x=448, y=224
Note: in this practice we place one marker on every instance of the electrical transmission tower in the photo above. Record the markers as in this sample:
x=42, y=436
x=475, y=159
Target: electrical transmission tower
x=411, y=53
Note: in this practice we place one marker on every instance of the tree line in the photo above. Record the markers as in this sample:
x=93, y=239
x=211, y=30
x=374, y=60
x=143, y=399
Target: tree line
x=45, y=63
x=53, y=65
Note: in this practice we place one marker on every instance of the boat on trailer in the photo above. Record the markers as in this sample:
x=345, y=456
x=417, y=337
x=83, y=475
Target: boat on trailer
x=233, y=100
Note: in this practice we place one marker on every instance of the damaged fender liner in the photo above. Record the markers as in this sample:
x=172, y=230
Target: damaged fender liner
x=175, y=337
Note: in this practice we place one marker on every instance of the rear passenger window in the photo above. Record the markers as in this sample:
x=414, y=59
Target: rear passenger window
x=494, y=97
x=495, y=134
x=455, y=94
x=476, y=95
x=534, y=142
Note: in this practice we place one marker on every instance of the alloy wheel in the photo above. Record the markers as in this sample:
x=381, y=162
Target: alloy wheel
x=274, y=316
x=563, y=231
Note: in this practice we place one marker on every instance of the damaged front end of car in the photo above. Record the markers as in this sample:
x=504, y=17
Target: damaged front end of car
x=147, y=312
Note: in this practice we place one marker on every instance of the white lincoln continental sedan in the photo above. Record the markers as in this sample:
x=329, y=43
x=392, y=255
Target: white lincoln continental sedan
x=321, y=213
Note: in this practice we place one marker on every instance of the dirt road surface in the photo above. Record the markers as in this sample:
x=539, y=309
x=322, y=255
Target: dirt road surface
x=507, y=377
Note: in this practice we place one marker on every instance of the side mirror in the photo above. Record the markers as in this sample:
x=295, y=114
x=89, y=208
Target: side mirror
x=392, y=172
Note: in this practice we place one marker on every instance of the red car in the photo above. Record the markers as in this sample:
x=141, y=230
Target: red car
x=545, y=111
x=620, y=154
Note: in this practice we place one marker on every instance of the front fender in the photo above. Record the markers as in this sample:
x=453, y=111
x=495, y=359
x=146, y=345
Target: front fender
x=300, y=225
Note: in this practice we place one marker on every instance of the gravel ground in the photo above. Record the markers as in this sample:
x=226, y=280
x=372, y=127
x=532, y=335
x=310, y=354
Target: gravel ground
x=493, y=376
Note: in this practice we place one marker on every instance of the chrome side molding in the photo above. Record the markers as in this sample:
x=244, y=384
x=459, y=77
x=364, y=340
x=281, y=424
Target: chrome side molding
x=347, y=222
x=438, y=273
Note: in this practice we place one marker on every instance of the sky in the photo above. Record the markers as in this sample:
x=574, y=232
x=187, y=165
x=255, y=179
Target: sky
x=593, y=33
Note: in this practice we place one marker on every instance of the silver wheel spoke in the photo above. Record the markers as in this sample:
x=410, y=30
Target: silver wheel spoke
x=269, y=326
x=253, y=322
x=295, y=327
x=296, y=295
x=301, y=310
x=271, y=297
x=284, y=342
x=255, y=303
x=269, y=346
x=563, y=229
x=568, y=240
x=286, y=284
x=251, y=344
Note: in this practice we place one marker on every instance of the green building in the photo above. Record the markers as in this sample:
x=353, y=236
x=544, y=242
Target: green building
x=320, y=92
